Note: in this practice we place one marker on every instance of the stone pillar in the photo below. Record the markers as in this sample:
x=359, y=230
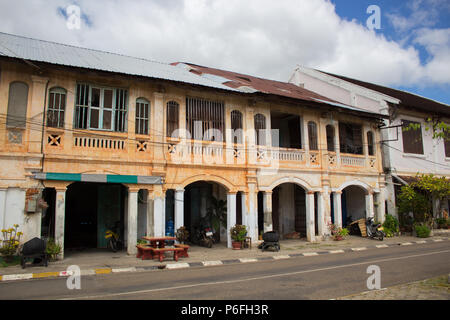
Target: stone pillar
x=369, y=204
x=381, y=206
x=132, y=220
x=310, y=226
x=267, y=207
x=150, y=216
x=159, y=215
x=337, y=204
x=323, y=212
x=231, y=215
x=60, y=212
x=2, y=208
x=179, y=209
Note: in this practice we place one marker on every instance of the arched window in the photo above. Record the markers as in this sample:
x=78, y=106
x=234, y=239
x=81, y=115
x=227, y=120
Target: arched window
x=330, y=137
x=370, y=146
x=236, y=126
x=17, y=105
x=312, y=134
x=260, y=129
x=56, y=107
x=142, y=115
x=172, y=118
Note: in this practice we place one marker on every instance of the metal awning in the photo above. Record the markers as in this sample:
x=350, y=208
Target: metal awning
x=100, y=178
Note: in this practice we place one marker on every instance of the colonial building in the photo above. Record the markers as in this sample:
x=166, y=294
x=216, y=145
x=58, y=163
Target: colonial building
x=406, y=153
x=104, y=138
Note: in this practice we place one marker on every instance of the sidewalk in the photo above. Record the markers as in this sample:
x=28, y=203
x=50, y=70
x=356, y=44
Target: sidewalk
x=98, y=261
x=431, y=289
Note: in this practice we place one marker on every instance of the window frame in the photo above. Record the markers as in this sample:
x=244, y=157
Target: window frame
x=237, y=123
x=370, y=143
x=172, y=108
x=52, y=108
x=331, y=138
x=13, y=120
x=260, y=137
x=142, y=119
x=411, y=144
x=313, y=136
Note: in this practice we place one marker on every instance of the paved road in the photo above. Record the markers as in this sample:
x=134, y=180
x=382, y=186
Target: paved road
x=318, y=277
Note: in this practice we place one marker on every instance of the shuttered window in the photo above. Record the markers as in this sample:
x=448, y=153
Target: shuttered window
x=17, y=105
x=56, y=108
x=330, y=137
x=312, y=135
x=172, y=119
x=236, y=126
x=205, y=119
x=142, y=115
x=260, y=129
x=412, y=138
x=447, y=144
x=370, y=144
x=350, y=138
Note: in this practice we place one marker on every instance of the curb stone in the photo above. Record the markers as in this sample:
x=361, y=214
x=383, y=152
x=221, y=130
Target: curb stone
x=180, y=265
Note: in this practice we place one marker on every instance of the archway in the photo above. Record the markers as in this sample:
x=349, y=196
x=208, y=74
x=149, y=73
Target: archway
x=353, y=204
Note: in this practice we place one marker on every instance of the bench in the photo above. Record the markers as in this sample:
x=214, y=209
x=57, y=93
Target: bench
x=185, y=250
x=159, y=253
x=144, y=251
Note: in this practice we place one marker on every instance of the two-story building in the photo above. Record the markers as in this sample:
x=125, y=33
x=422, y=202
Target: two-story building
x=104, y=138
x=406, y=152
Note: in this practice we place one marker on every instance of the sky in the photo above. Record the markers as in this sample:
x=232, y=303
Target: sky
x=407, y=48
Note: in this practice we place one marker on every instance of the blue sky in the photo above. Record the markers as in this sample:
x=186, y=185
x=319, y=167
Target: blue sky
x=438, y=17
x=264, y=38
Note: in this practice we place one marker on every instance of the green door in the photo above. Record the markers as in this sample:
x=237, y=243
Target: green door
x=108, y=211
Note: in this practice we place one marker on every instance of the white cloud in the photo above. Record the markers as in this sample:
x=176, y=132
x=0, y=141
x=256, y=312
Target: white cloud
x=260, y=37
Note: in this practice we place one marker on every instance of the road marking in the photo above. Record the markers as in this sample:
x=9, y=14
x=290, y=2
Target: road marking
x=278, y=275
x=281, y=257
x=245, y=260
x=308, y=254
x=406, y=243
x=437, y=240
x=177, y=265
x=212, y=263
x=359, y=249
x=382, y=246
x=103, y=271
x=336, y=251
x=24, y=276
x=87, y=272
x=67, y=273
x=45, y=274
x=132, y=269
x=421, y=241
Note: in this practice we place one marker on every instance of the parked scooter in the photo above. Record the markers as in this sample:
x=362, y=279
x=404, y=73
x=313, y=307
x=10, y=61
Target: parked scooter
x=113, y=237
x=374, y=230
x=203, y=236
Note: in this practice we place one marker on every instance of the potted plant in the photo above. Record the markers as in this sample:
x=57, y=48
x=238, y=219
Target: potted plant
x=53, y=249
x=182, y=234
x=10, y=243
x=338, y=233
x=238, y=234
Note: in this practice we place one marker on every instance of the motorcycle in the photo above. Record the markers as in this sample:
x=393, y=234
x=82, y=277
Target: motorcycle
x=203, y=236
x=374, y=230
x=113, y=237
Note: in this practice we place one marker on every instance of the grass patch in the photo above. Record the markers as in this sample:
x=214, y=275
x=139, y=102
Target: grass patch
x=441, y=281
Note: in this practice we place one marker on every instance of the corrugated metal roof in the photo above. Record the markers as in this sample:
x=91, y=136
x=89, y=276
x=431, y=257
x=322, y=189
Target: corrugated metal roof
x=44, y=51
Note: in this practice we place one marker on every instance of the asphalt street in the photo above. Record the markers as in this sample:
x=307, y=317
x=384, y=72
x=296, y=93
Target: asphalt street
x=317, y=277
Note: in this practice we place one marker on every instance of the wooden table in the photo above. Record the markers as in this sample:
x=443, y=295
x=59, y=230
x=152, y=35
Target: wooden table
x=158, y=242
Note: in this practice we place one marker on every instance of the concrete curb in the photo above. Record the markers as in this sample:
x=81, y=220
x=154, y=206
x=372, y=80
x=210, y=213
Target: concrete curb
x=182, y=265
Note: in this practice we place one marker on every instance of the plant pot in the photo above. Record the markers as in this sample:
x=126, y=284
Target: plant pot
x=236, y=245
x=338, y=238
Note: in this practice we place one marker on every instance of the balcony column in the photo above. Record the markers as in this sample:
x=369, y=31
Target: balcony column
x=132, y=215
x=337, y=204
x=267, y=207
x=159, y=125
x=150, y=216
x=305, y=142
x=35, y=112
x=310, y=225
x=369, y=204
x=231, y=215
x=337, y=146
x=252, y=214
x=60, y=213
x=179, y=209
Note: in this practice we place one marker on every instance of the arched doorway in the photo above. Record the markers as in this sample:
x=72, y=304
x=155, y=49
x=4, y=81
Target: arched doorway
x=289, y=209
x=201, y=199
x=353, y=204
